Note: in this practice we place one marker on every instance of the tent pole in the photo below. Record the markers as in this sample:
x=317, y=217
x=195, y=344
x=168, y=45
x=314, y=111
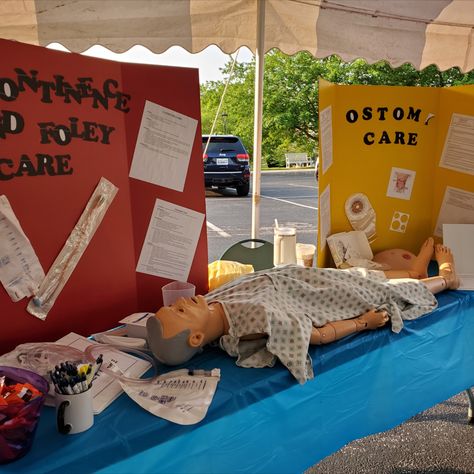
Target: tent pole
x=258, y=106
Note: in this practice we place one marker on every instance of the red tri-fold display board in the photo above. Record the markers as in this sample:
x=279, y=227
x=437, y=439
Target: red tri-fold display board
x=66, y=121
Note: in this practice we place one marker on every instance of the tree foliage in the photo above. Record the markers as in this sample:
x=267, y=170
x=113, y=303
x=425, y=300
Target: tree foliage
x=290, y=97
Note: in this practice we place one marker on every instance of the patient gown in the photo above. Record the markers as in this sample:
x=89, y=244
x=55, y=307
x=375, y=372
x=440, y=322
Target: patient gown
x=285, y=302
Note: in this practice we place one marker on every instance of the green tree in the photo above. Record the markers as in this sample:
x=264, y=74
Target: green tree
x=290, y=97
x=238, y=103
x=290, y=106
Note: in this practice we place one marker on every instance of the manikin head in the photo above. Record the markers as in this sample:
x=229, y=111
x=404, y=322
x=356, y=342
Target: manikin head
x=177, y=332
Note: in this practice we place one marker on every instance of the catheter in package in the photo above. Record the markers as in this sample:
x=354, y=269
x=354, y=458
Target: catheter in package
x=20, y=270
x=73, y=249
x=182, y=396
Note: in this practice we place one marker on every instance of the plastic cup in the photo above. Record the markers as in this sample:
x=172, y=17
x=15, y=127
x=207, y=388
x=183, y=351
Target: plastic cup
x=18, y=421
x=305, y=254
x=284, y=246
x=177, y=289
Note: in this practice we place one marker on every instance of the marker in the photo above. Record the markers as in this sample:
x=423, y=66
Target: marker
x=66, y=389
x=96, y=367
x=84, y=384
x=74, y=385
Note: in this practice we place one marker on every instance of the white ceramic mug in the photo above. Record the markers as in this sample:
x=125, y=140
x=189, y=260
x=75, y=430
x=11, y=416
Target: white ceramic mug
x=74, y=413
x=284, y=246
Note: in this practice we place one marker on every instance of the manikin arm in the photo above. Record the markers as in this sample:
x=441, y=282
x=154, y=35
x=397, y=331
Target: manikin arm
x=338, y=329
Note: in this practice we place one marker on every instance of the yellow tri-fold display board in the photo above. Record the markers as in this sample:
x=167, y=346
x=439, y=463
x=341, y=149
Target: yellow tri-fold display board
x=395, y=161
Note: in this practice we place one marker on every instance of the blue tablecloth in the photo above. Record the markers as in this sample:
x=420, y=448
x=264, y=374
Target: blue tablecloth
x=262, y=420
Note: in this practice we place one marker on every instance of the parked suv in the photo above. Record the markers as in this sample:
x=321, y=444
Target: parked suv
x=226, y=163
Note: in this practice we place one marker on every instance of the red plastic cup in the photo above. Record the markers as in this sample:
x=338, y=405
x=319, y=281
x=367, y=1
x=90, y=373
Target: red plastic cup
x=18, y=421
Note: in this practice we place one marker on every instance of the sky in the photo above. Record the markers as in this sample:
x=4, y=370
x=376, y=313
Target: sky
x=209, y=61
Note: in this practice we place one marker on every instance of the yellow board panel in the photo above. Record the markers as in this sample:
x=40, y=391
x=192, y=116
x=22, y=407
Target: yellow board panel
x=386, y=144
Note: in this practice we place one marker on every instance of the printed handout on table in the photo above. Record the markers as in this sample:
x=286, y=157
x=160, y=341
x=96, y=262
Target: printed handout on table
x=170, y=242
x=163, y=147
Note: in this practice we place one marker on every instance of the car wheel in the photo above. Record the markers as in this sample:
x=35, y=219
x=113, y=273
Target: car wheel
x=243, y=189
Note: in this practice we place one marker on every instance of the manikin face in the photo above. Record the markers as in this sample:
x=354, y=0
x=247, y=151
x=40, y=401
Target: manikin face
x=186, y=313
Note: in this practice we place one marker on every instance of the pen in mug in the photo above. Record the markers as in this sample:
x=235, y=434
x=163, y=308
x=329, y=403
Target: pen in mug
x=94, y=370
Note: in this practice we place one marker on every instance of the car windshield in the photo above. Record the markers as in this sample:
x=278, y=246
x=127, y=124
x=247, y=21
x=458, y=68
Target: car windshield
x=223, y=145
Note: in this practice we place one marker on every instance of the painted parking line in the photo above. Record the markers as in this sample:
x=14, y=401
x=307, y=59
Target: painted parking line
x=289, y=202
x=302, y=186
x=217, y=229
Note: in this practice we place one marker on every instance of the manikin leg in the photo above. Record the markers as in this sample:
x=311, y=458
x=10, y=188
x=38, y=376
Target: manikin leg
x=419, y=265
x=447, y=279
x=435, y=284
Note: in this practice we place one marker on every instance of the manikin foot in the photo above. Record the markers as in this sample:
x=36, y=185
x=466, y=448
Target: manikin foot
x=419, y=268
x=445, y=260
x=373, y=319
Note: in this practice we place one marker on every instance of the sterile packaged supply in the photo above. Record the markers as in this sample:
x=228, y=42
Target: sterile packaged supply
x=181, y=396
x=20, y=270
x=135, y=324
x=119, y=337
x=131, y=334
x=73, y=249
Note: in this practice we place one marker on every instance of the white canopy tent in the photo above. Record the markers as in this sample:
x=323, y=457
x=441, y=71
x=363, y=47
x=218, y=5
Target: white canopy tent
x=421, y=32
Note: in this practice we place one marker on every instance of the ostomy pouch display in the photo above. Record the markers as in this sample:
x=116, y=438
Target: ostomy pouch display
x=181, y=396
x=20, y=270
x=361, y=214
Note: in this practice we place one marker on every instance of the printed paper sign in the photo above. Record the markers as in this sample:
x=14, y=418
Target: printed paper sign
x=459, y=145
x=400, y=184
x=170, y=242
x=325, y=122
x=163, y=147
x=324, y=216
x=457, y=208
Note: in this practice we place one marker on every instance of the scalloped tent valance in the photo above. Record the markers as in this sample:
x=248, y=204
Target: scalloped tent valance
x=421, y=32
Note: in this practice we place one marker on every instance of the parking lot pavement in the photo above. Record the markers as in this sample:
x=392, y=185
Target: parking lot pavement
x=291, y=197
